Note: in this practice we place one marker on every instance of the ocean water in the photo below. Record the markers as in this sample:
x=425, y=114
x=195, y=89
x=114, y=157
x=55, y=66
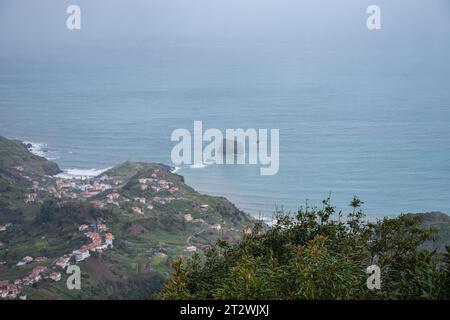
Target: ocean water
x=369, y=123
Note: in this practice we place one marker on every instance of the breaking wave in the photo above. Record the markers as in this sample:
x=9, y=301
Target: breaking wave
x=81, y=173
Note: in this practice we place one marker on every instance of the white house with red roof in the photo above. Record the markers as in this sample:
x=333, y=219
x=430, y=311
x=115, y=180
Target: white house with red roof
x=25, y=261
x=191, y=248
x=83, y=227
x=63, y=262
x=81, y=254
x=109, y=239
x=55, y=276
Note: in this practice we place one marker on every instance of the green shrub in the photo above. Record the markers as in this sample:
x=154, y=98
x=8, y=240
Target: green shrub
x=317, y=254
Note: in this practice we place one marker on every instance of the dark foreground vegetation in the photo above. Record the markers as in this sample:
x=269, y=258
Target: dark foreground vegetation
x=318, y=253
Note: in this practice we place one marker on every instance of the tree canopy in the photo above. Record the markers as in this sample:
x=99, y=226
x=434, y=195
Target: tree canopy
x=317, y=253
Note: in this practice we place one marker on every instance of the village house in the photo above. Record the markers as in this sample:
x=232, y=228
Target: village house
x=95, y=237
x=101, y=247
x=204, y=207
x=155, y=173
x=25, y=261
x=98, y=204
x=83, y=227
x=27, y=281
x=169, y=199
x=188, y=217
x=144, y=187
x=137, y=210
x=13, y=291
x=90, y=193
x=34, y=277
x=164, y=184
x=191, y=249
x=3, y=288
x=101, y=227
x=117, y=182
x=109, y=239
x=140, y=199
x=163, y=200
x=104, y=178
x=8, y=290
x=30, y=197
x=64, y=184
x=150, y=207
x=84, y=187
x=113, y=196
x=98, y=187
x=72, y=195
x=156, y=189
x=216, y=226
x=63, y=262
x=145, y=181
x=81, y=255
x=248, y=230
x=55, y=276
x=39, y=269
x=160, y=254
x=40, y=259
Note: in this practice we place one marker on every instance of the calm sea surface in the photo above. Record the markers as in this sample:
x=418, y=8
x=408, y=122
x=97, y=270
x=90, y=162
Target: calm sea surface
x=372, y=124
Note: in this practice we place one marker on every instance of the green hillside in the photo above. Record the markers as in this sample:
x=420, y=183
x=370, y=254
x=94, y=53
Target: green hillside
x=14, y=153
x=153, y=215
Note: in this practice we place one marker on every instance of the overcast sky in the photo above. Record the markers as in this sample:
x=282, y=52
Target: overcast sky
x=32, y=27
